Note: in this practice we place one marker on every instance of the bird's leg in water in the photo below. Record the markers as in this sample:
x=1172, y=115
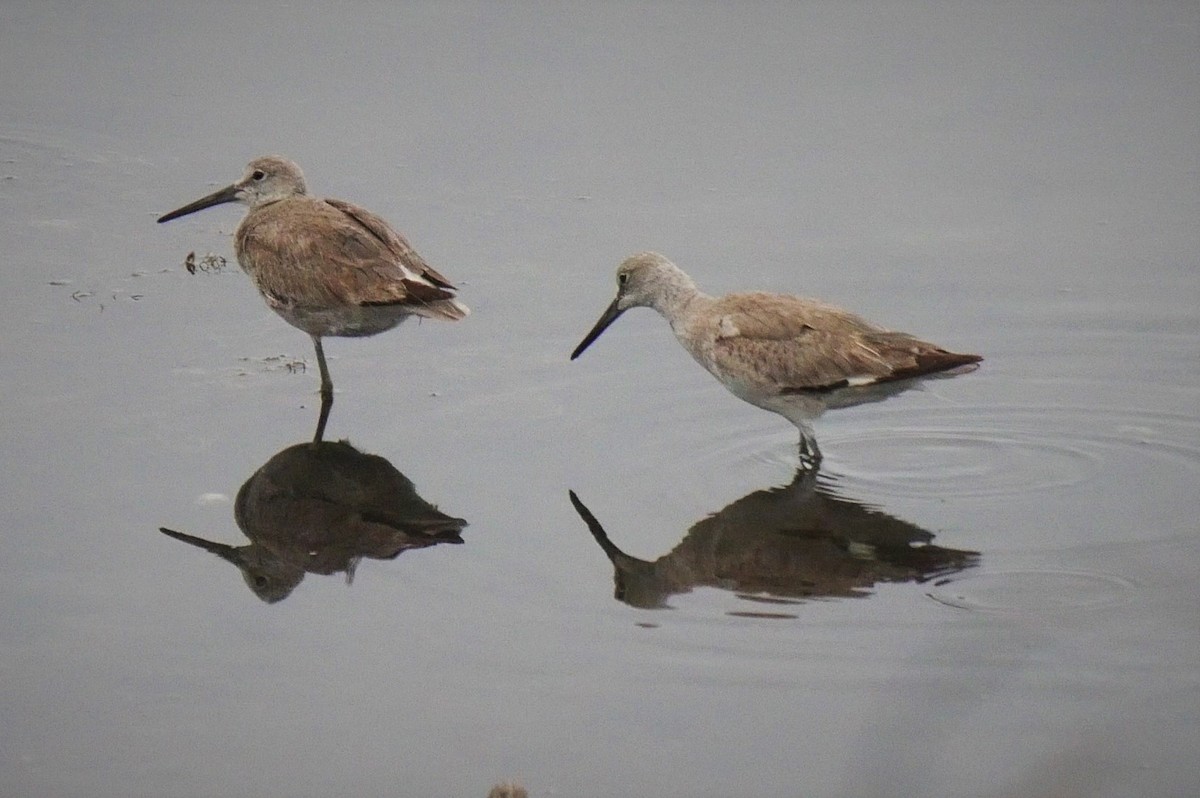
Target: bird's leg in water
x=810, y=453
x=326, y=391
x=326, y=383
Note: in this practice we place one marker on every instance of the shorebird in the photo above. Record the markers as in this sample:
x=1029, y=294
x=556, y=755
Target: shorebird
x=327, y=266
x=793, y=356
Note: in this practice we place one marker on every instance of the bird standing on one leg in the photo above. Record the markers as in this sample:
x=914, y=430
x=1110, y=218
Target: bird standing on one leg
x=327, y=266
x=793, y=356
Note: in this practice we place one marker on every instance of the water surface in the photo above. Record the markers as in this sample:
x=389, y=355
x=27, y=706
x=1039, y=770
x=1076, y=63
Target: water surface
x=990, y=589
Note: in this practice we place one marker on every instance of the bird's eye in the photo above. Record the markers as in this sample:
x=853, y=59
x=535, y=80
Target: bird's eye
x=258, y=174
x=622, y=278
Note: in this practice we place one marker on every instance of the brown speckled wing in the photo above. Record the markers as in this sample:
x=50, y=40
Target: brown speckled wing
x=815, y=361
x=309, y=253
x=786, y=344
x=393, y=241
x=780, y=317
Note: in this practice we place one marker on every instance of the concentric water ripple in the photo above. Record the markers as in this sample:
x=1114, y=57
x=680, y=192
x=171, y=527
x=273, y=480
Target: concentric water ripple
x=746, y=446
x=998, y=451
x=1022, y=592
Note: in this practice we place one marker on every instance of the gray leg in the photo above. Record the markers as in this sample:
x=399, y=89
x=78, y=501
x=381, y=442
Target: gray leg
x=326, y=391
x=326, y=383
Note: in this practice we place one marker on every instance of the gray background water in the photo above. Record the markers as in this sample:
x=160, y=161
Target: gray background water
x=1019, y=180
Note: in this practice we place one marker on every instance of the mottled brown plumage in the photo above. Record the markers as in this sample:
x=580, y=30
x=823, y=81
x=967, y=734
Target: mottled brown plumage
x=327, y=266
x=796, y=345
x=276, y=242
x=787, y=354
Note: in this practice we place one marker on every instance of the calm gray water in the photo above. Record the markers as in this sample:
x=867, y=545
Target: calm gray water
x=990, y=590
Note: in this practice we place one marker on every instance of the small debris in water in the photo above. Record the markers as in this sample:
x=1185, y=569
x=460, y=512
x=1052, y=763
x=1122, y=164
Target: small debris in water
x=60, y=282
x=208, y=263
x=292, y=365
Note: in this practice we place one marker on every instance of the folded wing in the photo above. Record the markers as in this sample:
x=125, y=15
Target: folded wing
x=323, y=253
x=792, y=345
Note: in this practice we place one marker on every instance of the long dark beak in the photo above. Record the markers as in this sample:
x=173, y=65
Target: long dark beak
x=223, y=551
x=611, y=314
x=227, y=194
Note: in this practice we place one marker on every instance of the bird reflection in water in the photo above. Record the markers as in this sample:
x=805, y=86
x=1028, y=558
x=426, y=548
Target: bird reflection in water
x=320, y=508
x=783, y=545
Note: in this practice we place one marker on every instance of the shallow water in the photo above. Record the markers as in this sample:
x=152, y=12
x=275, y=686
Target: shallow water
x=990, y=590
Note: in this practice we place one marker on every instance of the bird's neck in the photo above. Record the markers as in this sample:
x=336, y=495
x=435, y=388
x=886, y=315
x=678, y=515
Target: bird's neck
x=679, y=299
